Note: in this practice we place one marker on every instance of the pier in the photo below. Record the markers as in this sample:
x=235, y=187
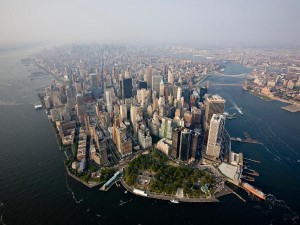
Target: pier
x=252, y=160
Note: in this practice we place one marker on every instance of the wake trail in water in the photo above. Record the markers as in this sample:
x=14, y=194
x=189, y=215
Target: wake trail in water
x=286, y=144
x=235, y=106
x=278, y=207
x=73, y=195
x=123, y=203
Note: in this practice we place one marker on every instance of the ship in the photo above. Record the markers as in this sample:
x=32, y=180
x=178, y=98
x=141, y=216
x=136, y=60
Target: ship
x=38, y=107
x=174, y=201
x=249, y=188
x=235, y=139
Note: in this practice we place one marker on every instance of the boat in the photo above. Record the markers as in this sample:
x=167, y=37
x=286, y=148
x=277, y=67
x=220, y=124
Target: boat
x=249, y=188
x=174, y=201
x=235, y=139
x=38, y=107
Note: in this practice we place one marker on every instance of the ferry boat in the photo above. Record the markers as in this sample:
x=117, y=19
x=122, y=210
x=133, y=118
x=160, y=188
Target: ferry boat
x=249, y=188
x=174, y=201
x=38, y=107
x=235, y=139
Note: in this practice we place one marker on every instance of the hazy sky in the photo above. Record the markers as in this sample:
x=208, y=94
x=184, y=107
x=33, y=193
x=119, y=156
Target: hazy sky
x=201, y=22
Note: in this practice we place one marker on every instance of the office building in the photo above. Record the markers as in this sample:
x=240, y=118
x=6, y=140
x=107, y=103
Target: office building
x=126, y=88
x=156, y=81
x=215, y=135
x=184, y=145
x=214, y=104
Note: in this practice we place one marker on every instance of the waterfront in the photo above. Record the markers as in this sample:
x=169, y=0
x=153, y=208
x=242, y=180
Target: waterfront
x=35, y=188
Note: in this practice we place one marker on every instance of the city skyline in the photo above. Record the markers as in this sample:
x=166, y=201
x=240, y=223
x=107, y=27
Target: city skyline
x=196, y=23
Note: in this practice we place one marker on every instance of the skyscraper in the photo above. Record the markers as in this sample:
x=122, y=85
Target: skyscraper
x=175, y=142
x=170, y=76
x=215, y=135
x=195, y=144
x=162, y=88
x=214, y=104
x=156, y=80
x=126, y=88
x=202, y=92
x=148, y=76
x=185, y=144
x=94, y=85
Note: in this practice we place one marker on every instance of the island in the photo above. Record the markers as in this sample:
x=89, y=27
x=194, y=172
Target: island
x=146, y=121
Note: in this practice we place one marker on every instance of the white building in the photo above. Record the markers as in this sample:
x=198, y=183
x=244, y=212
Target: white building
x=215, y=135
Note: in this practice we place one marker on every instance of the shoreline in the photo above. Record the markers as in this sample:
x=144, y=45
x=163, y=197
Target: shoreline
x=81, y=181
x=226, y=191
x=292, y=107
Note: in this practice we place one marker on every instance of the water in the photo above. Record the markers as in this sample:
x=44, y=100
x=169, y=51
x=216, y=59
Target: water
x=34, y=187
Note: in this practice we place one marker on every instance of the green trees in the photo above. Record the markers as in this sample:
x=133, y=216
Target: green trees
x=167, y=178
x=106, y=174
x=74, y=151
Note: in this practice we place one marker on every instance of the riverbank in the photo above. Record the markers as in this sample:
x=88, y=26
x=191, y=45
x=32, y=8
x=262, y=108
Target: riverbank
x=293, y=107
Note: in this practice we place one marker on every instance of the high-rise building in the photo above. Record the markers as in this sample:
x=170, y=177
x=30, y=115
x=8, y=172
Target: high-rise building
x=94, y=85
x=214, y=104
x=144, y=137
x=80, y=107
x=165, y=130
x=141, y=84
x=175, y=142
x=195, y=144
x=170, y=76
x=108, y=99
x=185, y=144
x=197, y=117
x=123, y=143
x=126, y=88
x=156, y=80
x=148, y=76
x=162, y=88
x=215, y=135
x=202, y=92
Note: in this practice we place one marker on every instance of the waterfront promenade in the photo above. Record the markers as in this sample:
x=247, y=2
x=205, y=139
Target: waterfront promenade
x=169, y=197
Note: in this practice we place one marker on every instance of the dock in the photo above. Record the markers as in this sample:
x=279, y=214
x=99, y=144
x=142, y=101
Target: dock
x=252, y=160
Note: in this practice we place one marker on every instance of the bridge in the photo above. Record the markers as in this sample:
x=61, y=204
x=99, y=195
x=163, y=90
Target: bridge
x=222, y=84
x=216, y=73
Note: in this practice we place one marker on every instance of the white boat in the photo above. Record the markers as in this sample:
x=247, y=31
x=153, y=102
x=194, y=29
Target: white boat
x=38, y=107
x=174, y=201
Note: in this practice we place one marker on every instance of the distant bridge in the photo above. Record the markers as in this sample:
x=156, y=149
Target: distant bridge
x=221, y=84
x=229, y=75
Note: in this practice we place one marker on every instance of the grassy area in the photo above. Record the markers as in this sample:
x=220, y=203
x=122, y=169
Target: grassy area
x=106, y=174
x=167, y=178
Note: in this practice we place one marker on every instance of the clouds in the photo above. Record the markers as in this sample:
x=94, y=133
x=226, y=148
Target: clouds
x=188, y=22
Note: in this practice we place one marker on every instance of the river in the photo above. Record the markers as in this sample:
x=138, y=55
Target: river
x=34, y=187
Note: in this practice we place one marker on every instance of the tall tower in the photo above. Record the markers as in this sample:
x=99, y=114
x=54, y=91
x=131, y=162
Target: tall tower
x=185, y=144
x=175, y=142
x=156, y=84
x=214, y=104
x=170, y=76
x=126, y=88
x=215, y=135
x=148, y=76
x=161, y=89
x=94, y=85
